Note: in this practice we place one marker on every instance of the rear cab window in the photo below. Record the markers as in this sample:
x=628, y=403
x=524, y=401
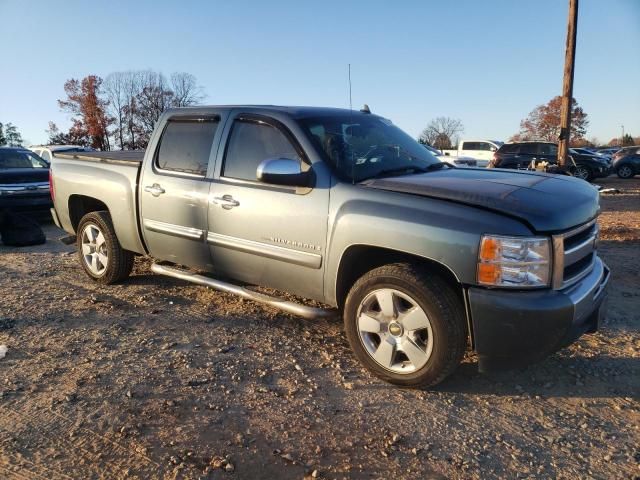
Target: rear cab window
x=186, y=145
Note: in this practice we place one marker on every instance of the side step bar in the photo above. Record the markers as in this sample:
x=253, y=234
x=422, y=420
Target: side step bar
x=285, y=305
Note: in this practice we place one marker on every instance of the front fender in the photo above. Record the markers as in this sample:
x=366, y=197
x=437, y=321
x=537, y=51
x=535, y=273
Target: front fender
x=439, y=230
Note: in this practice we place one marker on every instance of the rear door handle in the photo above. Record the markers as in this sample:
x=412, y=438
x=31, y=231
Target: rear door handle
x=226, y=201
x=155, y=190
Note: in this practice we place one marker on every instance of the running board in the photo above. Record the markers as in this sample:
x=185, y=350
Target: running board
x=285, y=305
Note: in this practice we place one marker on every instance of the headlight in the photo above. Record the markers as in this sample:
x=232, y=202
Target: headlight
x=514, y=262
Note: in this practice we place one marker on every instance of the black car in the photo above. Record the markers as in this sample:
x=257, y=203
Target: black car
x=626, y=162
x=24, y=180
x=520, y=155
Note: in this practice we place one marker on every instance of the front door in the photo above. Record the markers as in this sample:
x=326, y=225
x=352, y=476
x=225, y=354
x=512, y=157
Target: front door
x=267, y=234
x=174, y=189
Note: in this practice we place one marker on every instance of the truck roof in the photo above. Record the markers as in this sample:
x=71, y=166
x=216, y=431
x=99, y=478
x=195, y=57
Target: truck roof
x=294, y=111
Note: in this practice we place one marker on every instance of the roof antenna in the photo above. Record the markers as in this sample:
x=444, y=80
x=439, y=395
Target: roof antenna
x=350, y=104
x=353, y=163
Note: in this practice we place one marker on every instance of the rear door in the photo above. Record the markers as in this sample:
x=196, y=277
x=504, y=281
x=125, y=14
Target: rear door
x=175, y=187
x=265, y=234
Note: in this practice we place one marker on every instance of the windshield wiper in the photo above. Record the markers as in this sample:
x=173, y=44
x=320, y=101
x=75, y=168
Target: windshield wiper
x=409, y=169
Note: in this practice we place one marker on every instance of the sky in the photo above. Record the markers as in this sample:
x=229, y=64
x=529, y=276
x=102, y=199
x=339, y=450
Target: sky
x=488, y=63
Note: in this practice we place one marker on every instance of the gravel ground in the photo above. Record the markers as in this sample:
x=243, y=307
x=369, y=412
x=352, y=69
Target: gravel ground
x=156, y=378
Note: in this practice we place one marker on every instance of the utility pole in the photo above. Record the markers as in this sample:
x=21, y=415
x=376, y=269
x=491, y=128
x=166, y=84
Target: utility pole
x=567, y=86
x=622, y=141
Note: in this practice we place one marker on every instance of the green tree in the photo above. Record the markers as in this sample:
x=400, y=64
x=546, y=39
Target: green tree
x=627, y=140
x=11, y=136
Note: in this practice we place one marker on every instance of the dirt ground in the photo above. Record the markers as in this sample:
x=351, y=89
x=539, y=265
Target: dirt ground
x=157, y=378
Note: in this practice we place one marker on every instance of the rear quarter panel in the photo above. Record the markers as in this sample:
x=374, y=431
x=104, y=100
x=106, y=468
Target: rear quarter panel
x=112, y=184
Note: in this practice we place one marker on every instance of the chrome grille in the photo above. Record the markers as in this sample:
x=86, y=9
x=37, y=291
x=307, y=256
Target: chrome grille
x=574, y=254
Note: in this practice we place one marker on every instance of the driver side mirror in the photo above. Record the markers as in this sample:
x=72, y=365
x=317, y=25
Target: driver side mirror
x=283, y=171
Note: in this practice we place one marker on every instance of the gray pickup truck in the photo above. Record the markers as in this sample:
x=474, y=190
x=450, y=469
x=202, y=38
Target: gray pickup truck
x=421, y=259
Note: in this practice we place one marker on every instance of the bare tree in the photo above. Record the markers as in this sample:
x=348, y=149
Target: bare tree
x=442, y=132
x=152, y=100
x=115, y=90
x=186, y=91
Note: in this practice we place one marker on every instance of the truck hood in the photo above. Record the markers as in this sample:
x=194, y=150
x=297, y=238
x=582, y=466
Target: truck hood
x=545, y=202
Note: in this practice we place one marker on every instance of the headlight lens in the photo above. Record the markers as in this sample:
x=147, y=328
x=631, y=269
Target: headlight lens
x=515, y=262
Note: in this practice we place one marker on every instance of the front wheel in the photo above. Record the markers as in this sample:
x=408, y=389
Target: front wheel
x=99, y=251
x=583, y=172
x=624, y=171
x=405, y=325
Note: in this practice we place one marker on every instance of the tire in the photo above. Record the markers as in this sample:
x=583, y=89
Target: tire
x=583, y=172
x=20, y=231
x=625, y=171
x=99, y=250
x=415, y=296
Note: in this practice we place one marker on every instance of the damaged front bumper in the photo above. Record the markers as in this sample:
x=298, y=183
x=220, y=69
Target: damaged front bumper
x=514, y=329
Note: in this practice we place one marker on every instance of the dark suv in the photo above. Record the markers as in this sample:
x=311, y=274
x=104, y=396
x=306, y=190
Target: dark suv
x=24, y=180
x=626, y=162
x=520, y=155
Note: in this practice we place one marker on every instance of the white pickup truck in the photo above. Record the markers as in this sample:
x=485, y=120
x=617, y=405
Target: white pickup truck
x=481, y=150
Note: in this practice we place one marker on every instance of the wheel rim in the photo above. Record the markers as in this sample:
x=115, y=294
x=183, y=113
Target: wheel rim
x=94, y=249
x=395, y=331
x=582, y=173
x=624, y=171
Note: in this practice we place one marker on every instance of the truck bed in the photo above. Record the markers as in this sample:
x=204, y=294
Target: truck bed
x=133, y=157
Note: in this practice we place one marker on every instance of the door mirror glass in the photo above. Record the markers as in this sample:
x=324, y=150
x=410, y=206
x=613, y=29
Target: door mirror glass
x=282, y=171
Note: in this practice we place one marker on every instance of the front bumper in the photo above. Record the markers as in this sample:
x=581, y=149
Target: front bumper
x=602, y=171
x=41, y=201
x=513, y=329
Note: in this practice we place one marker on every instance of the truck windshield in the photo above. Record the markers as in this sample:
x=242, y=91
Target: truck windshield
x=360, y=146
x=20, y=159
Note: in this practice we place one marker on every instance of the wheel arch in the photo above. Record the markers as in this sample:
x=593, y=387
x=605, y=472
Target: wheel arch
x=80, y=205
x=358, y=259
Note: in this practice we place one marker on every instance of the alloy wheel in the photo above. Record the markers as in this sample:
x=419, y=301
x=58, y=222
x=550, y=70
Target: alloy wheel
x=395, y=330
x=94, y=249
x=625, y=171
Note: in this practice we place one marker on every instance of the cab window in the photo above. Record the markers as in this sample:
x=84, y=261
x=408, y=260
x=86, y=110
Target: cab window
x=250, y=143
x=186, y=145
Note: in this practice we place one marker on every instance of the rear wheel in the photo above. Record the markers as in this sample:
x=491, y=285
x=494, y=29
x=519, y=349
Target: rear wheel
x=625, y=171
x=99, y=251
x=405, y=325
x=583, y=172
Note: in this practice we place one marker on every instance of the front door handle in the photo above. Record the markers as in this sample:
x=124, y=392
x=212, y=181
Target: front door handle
x=155, y=190
x=226, y=201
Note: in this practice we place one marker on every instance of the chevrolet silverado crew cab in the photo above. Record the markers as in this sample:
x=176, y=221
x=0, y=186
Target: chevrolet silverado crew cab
x=420, y=258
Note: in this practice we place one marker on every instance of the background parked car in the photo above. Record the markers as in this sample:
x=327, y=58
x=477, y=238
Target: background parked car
x=24, y=180
x=520, y=155
x=457, y=161
x=46, y=151
x=626, y=162
x=591, y=151
x=608, y=151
